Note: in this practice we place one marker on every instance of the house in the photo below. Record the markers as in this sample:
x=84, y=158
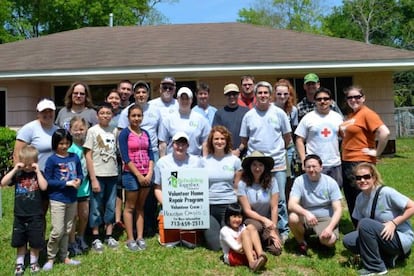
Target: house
x=216, y=53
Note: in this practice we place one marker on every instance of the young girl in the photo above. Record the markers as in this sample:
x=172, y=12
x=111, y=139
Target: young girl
x=78, y=128
x=28, y=226
x=63, y=172
x=136, y=152
x=100, y=153
x=241, y=244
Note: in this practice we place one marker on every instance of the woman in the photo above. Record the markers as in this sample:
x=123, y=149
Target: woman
x=258, y=195
x=113, y=97
x=223, y=169
x=358, y=132
x=384, y=235
x=78, y=101
x=136, y=153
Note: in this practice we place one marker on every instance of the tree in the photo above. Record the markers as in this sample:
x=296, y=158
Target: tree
x=299, y=15
x=24, y=19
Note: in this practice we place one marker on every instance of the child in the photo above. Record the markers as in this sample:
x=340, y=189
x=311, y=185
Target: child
x=63, y=172
x=100, y=153
x=77, y=245
x=241, y=244
x=28, y=225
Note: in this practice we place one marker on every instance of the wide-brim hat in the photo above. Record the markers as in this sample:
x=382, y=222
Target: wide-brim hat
x=259, y=156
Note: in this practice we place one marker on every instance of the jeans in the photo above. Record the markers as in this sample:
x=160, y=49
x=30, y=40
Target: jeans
x=212, y=235
x=350, y=189
x=374, y=250
x=282, y=222
x=102, y=204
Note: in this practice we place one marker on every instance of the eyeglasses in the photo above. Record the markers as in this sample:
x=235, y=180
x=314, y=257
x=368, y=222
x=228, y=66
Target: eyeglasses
x=356, y=97
x=78, y=93
x=325, y=99
x=284, y=94
x=167, y=87
x=365, y=176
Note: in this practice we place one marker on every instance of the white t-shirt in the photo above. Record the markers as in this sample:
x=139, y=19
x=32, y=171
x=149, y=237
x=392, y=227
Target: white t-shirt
x=165, y=109
x=320, y=132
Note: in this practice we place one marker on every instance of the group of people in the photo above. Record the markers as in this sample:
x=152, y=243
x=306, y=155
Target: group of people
x=89, y=164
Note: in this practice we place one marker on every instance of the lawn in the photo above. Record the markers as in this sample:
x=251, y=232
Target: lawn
x=156, y=260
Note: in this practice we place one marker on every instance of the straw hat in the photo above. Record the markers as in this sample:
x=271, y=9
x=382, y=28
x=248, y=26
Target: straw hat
x=257, y=155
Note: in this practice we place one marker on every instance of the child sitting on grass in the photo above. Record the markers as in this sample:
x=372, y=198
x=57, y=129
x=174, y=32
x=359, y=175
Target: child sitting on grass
x=28, y=226
x=241, y=244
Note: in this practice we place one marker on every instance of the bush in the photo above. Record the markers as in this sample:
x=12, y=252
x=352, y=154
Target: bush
x=7, y=139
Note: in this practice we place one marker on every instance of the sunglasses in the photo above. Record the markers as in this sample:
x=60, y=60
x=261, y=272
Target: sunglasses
x=167, y=87
x=356, y=97
x=325, y=99
x=365, y=177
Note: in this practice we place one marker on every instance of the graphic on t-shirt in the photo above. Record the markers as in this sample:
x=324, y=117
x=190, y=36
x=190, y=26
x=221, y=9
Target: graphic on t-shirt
x=67, y=171
x=26, y=187
x=326, y=133
x=172, y=180
x=346, y=124
x=106, y=146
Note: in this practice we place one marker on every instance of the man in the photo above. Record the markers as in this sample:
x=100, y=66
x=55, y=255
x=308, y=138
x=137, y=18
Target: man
x=125, y=91
x=231, y=115
x=247, y=97
x=266, y=128
x=311, y=84
x=319, y=130
x=314, y=205
x=190, y=122
x=166, y=103
x=203, y=107
x=178, y=158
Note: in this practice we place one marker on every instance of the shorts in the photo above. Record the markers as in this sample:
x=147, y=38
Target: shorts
x=83, y=198
x=236, y=258
x=28, y=230
x=130, y=182
x=323, y=222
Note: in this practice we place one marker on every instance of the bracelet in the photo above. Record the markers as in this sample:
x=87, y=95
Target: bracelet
x=394, y=223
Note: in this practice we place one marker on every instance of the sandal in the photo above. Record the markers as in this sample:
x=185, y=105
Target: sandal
x=259, y=263
x=34, y=268
x=19, y=270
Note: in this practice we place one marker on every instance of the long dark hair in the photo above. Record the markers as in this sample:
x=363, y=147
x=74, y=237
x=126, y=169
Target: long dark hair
x=265, y=179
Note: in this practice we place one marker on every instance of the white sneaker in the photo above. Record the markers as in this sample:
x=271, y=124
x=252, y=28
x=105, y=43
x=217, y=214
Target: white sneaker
x=97, y=246
x=112, y=243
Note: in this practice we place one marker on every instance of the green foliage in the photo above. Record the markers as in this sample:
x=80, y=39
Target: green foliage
x=7, y=138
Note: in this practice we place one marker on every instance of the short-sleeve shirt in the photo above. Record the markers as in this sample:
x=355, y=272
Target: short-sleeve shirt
x=28, y=199
x=165, y=109
x=320, y=131
x=194, y=125
x=259, y=198
x=358, y=132
x=65, y=115
x=84, y=189
x=101, y=141
x=168, y=163
x=390, y=205
x=34, y=134
x=208, y=113
x=316, y=197
x=220, y=178
x=265, y=130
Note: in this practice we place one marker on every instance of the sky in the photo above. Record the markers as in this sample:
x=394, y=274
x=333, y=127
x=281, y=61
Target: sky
x=207, y=11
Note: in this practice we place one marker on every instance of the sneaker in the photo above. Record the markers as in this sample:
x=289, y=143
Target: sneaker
x=48, y=266
x=132, y=245
x=303, y=248
x=72, y=262
x=97, y=246
x=141, y=243
x=82, y=244
x=390, y=262
x=366, y=272
x=34, y=268
x=19, y=270
x=111, y=243
x=284, y=237
x=74, y=249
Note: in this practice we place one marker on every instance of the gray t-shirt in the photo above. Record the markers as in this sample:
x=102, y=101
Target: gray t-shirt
x=316, y=197
x=390, y=204
x=65, y=115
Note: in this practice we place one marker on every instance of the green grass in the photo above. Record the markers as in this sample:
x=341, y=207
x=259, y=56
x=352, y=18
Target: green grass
x=156, y=260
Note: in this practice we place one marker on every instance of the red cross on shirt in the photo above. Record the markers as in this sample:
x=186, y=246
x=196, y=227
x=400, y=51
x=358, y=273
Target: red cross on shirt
x=325, y=132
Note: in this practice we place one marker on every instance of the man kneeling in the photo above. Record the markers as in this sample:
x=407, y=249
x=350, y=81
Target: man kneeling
x=314, y=204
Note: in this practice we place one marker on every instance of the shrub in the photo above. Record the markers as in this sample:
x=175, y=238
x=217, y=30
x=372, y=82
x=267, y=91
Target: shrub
x=7, y=139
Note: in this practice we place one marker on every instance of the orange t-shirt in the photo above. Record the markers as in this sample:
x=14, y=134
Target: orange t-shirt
x=358, y=132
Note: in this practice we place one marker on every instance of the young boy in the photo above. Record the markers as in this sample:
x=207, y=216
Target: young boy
x=100, y=154
x=28, y=213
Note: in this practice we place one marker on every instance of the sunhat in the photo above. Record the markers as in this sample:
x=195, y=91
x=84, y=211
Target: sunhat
x=259, y=156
